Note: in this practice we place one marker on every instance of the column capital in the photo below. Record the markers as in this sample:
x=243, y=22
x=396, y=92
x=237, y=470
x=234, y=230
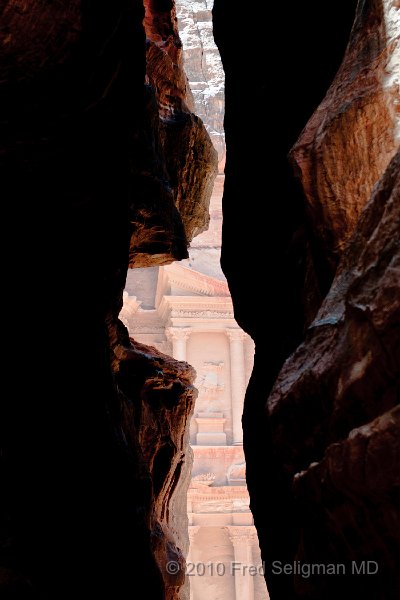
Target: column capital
x=235, y=334
x=241, y=534
x=241, y=539
x=178, y=333
x=193, y=531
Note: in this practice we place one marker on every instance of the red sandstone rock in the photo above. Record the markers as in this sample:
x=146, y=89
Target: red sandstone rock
x=332, y=411
x=36, y=37
x=204, y=69
x=181, y=163
x=345, y=375
x=349, y=498
x=157, y=396
x=350, y=139
x=346, y=372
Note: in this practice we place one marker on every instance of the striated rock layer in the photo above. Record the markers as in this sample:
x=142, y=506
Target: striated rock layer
x=101, y=165
x=322, y=454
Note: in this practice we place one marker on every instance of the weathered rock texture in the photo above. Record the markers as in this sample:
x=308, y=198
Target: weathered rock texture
x=324, y=476
x=181, y=164
x=204, y=68
x=349, y=498
x=359, y=120
x=354, y=339
x=157, y=397
x=346, y=375
x=99, y=168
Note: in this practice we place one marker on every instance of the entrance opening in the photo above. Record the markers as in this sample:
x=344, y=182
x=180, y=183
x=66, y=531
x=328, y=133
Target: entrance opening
x=185, y=310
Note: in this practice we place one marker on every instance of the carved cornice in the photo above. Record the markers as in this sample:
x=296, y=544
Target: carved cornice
x=218, y=493
x=136, y=326
x=201, y=314
x=231, y=453
x=194, y=281
x=196, y=308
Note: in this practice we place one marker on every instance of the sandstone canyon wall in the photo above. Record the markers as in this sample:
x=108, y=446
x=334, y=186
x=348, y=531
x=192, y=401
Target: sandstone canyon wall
x=102, y=165
x=323, y=474
x=204, y=69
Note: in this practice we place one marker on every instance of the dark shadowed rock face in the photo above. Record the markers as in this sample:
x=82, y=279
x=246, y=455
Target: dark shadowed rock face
x=346, y=375
x=322, y=455
x=347, y=369
x=157, y=397
x=351, y=498
x=93, y=439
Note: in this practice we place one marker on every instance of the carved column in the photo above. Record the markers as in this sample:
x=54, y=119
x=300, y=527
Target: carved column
x=178, y=337
x=238, y=381
x=242, y=539
x=193, y=531
x=249, y=349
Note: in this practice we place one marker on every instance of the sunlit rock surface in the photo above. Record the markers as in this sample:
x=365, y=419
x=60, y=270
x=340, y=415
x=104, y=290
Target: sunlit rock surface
x=350, y=139
x=203, y=68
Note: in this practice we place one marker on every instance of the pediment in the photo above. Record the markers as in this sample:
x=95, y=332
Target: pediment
x=177, y=280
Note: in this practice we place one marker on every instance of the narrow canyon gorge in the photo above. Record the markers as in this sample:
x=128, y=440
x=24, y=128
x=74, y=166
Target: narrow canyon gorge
x=106, y=165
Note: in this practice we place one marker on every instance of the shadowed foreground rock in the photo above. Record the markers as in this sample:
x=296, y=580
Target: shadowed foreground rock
x=345, y=375
x=350, y=496
x=314, y=486
x=346, y=372
x=157, y=398
x=101, y=164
